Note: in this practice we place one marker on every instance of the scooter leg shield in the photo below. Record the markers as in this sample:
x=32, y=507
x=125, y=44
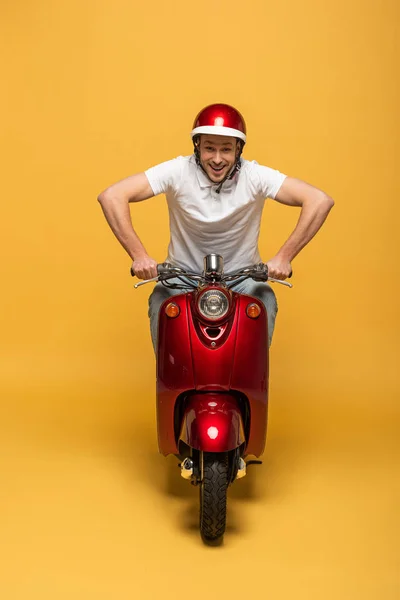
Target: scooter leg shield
x=212, y=422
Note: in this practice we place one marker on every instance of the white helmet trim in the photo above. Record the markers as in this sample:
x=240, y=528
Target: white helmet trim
x=214, y=130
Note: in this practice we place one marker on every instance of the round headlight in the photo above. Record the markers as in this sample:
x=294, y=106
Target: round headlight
x=213, y=304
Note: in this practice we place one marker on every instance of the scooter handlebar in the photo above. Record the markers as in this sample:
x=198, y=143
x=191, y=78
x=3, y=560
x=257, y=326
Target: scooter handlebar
x=260, y=273
x=263, y=268
x=161, y=268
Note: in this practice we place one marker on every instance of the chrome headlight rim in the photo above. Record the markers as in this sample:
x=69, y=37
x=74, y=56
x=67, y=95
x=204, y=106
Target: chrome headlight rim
x=220, y=293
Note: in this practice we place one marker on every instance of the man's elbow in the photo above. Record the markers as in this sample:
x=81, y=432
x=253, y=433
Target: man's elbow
x=101, y=198
x=319, y=201
x=106, y=198
x=326, y=202
x=330, y=203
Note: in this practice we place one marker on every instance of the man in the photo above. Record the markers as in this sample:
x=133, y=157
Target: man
x=215, y=200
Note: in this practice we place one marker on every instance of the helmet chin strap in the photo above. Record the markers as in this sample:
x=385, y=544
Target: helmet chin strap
x=235, y=169
x=231, y=175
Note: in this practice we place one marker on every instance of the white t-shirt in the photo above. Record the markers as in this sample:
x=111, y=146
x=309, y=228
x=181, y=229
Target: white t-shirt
x=203, y=221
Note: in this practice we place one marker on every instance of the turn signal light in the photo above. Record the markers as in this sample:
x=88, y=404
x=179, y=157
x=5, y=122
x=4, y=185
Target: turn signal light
x=253, y=311
x=172, y=310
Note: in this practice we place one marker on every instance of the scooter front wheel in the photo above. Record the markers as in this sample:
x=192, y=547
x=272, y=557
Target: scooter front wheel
x=213, y=490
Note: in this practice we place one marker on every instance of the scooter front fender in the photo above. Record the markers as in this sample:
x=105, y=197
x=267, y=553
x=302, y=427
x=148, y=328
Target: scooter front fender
x=212, y=422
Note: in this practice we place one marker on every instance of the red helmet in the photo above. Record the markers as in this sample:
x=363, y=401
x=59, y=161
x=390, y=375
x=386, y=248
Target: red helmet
x=220, y=119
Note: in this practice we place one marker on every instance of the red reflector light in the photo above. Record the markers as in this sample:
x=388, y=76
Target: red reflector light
x=212, y=433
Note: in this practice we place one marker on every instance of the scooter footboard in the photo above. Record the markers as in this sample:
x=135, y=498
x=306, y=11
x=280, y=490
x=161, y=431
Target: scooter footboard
x=212, y=422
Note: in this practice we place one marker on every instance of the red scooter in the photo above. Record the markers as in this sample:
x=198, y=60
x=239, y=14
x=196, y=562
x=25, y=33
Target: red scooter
x=212, y=381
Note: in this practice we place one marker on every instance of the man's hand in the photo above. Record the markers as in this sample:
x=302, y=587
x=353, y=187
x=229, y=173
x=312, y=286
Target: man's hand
x=145, y=267
x=279, y=268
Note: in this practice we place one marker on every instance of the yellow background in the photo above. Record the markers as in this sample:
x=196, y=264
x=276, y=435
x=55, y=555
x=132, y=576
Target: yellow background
x=94, y=92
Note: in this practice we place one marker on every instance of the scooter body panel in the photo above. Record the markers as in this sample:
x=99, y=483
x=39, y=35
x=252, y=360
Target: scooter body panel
x=250, y=371
x=235, y=363
x=174, y=370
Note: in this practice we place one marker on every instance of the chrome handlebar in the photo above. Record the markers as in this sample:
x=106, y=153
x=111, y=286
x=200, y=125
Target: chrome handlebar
x=167, y=271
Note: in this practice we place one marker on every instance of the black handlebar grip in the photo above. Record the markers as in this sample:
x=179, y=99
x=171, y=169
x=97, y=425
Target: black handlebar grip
x=266, y=268
x=159, y=270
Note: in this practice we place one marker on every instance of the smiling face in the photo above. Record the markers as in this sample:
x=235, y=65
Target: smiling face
x=218, y=155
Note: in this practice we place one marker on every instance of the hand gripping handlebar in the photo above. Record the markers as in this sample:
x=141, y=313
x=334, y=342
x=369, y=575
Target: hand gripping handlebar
x=257, y=272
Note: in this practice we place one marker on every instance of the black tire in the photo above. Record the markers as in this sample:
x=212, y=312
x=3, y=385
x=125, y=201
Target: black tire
x=213, y=491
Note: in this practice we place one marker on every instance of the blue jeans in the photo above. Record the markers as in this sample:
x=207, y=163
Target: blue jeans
x=257, y=289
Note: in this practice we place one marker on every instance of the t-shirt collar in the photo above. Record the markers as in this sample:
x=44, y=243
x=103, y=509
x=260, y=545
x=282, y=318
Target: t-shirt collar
x=203, y=179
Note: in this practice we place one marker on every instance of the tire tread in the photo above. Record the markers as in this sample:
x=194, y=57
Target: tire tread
x=213, y=496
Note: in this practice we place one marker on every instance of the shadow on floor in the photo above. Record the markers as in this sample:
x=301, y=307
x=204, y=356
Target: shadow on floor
x=270, y=480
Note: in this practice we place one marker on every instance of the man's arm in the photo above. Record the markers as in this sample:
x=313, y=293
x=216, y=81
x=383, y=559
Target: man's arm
x=115, y=204
x=315, y=206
